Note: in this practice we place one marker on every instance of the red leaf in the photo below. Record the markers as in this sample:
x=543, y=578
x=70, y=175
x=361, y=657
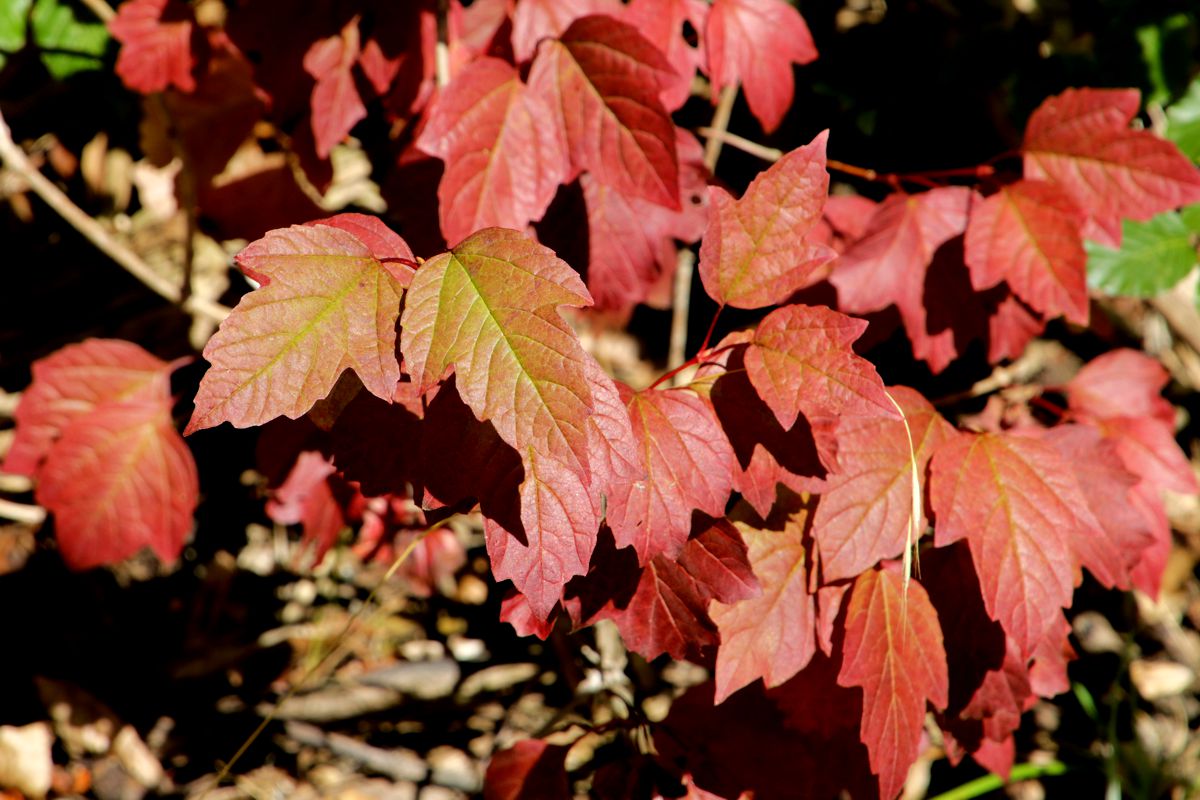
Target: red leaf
x=617, y=460
x=1014, y=499
x=503, y=161
x=326, y=305
x=306, y=498
x=1149, y=450
x=800, y=359
x=392, y=252
x=755, y=253
x=888, y=265
x=631, y=242
x=1028, y=234
x=1081, y=140
x=490, y=309
x=689, y=466
x=767, y=455
x=602, y=81
x=514, y=609
x=557, y=533
x=755, y=43
x=893, y=650
x=1148, y=573
x=1011, y=326
x=531, y=769
x=534, y=20
x=665, y=608
x=1121, y=383
x=771, y=636
x=120, y=479
x=662, y=24
x=336, y=105
x=1107, y=486
x=70, y=383
x=864, y=512
x=156, y=45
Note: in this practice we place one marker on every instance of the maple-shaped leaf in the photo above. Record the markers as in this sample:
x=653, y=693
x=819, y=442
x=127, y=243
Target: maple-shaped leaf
x=1028, y=234
x=120, y=479
x=663, y=24
x=602, y=80
x=306, y=497
x=489, y=308
x=1011, y=326
x=156, y=45
x=534, y=20
x=663, y=607
x=1082, y=141
x=1107, y=486
x=326, y=304
x=888, y=265
x=385, y=244
x=532, y=769
x=70, y=383
x=689, y=466
x=336, y=104
x=1121, y=383
x=767, y=454
x=631, y=242
x=504, y=162
x=1015, y=501
x=755, y=43
x=556, y=537
x=615, y=454
x=1149, y=450
x=771, y=636
x=801, y=359
x=865, y=511
x=893, y=650
x=755, y=251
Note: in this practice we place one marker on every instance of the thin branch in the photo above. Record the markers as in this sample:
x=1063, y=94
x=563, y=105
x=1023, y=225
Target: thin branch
x=755, y=149
x=685, y=261
x=14, y=158
x=441, y=53
x=19, y=512
x=718, y=130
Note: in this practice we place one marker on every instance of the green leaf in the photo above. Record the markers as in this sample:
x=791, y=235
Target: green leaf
x=13, y=19
x=1154, y=256
x=69, y=44
x=1183, y=122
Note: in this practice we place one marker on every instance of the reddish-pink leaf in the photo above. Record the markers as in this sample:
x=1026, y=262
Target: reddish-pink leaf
x=615, y=455
x=662, y=23
x=1011, y=326
x=631, y=242
x=504, y=161
x=667, y=610
x=888, y=265
x=865, y=511
x=801, y=359
x=1081, y=140
x=336, y=105
x=514, y=609
x=306, y=498
x=1149, y=450
x=755, y=43
x=326, y=305
x=489, y=308
x=70, y=383
x=1108, y=487
x=558, y=533
x=1147, y=575
x=118, y=480
x=392, y=252
x=602, y=81
x=771, y=636
x=531, y=769
x=689, y=466
x=156, y=45
x=893, y=650
x=1028, y=234
x=1121, y=383
x=1014, y=499
x=534, y=20
x=755, y=252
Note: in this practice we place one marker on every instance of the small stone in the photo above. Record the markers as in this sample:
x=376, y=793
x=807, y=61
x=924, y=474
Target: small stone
x=1156, y=680
x=454, y=768
x=496, y=678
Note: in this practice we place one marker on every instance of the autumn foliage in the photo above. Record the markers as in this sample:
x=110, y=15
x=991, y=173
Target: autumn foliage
x=843, y=557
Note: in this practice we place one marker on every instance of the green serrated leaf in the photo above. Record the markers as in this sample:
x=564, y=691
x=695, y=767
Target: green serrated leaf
x=69, y=41
x=13, y=19
x=1191, y=217
x=1183, y=122
x=1154, y=256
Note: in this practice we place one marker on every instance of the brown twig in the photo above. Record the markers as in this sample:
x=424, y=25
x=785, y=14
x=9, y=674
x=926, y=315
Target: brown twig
x=14, y=158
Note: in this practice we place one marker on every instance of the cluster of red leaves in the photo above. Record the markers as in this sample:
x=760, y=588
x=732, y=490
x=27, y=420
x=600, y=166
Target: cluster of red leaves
x=457, y=382
x=95, y=431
